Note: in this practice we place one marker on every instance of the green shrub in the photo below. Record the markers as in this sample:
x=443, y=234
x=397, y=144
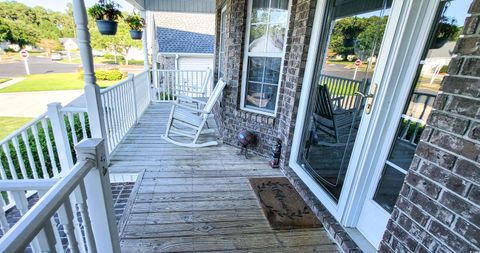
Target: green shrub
x=108, y=56
x=444, y=69
x=44, y=150
x=106, y=75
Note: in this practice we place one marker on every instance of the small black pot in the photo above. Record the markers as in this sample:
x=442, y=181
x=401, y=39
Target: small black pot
x=136, y=35
x=107, y=27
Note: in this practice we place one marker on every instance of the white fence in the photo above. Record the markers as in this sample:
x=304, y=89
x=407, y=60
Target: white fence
x=123, y=104
x=78, y=205
x=167, y=84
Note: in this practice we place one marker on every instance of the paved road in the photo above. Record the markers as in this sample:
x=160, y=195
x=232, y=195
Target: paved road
x=38, y=65
x=32, y=104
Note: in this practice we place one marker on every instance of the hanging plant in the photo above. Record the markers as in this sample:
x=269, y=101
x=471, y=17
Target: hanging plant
x=106, y=14
x=136, y=24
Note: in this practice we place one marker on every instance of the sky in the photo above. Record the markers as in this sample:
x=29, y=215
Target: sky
x=61, y=5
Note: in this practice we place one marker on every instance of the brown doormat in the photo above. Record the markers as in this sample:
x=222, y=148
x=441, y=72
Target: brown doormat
x=282, y=205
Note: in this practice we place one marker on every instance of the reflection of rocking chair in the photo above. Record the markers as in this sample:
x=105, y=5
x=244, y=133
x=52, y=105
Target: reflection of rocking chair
x=329, y=117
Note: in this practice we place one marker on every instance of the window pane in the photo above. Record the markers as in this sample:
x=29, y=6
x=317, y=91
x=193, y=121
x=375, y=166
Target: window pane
x=256, y=69
x=255, y=96
x=258, y=38
x=272, y=70
x=260, y=11
x=389, y=187
x=270, y=91
x=276, y=38
x=279, y=11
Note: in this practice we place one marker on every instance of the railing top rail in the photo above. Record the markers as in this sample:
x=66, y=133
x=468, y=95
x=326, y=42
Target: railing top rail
x=74, y=109
x=23, y=232
x=28, y=184
x=23, y=128
x=128, y=79
x=342, y=78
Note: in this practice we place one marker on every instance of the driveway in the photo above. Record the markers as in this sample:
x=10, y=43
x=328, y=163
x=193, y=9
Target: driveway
x=38, y=65
x=32, y=104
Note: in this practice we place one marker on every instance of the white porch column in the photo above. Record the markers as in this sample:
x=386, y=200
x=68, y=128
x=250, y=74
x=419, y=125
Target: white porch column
x=146, y=65
x=103, y=220
x=92, y=91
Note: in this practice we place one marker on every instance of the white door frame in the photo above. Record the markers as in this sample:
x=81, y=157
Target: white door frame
x=402, y=47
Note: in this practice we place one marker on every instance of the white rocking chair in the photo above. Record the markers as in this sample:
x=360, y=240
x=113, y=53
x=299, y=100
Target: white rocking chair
x=192, y=120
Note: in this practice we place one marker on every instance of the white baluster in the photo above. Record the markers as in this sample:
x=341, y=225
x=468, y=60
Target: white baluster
x=71, y=122
x=6, y=151
x=21, y=163
x=51, y=154
x=21, y=203
x=3, y=219
x=81, y=116
x=39, y=151
x=31, y=161
x=87, y=225
x=65, y=214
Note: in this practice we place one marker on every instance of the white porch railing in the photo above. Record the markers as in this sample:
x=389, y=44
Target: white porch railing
x=167, y=84
x=123, y=104
x=38, y=154
x=78, y=205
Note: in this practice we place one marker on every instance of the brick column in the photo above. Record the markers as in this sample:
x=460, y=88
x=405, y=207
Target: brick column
x=438, y=209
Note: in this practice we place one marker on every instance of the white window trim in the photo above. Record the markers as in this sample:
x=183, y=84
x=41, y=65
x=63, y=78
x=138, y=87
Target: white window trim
x=245, y=63
x=220, y=61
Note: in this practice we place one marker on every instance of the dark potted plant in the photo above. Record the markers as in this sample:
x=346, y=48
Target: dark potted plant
x=136, y=24
x=106, y=14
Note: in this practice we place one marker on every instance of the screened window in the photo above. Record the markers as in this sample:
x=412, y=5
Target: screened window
x=265, y=48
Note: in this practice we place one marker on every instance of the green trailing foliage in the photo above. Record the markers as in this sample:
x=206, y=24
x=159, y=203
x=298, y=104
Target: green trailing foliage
x=135, y=22
x=105, y=10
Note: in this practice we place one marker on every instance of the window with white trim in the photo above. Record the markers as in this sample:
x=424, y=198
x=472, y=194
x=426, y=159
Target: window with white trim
x=222, y=47
x=266, y=33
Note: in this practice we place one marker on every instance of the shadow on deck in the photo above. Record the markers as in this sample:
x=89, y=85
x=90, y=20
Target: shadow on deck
x=198, y=199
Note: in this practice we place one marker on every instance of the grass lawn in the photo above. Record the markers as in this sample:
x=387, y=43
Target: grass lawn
x=10, y=124
x=2, y=80
x=48, y=82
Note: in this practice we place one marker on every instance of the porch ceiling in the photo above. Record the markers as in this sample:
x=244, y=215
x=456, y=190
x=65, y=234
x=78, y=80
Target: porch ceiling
x=192, y=6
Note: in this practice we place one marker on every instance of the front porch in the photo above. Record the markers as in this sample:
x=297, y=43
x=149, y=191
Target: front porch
x=197, y=199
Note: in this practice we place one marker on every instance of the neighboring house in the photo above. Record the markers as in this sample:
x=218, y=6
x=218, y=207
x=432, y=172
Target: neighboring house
x=70, y=44
x=184, y=41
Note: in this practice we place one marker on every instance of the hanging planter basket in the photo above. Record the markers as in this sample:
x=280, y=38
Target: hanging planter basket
x=136, y=35
x=107, y=27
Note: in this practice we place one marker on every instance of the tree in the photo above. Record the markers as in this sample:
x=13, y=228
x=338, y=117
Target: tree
x=49, y=45
x=368, y=41
x=24, y=25
x=120, y=43
x=344, y=33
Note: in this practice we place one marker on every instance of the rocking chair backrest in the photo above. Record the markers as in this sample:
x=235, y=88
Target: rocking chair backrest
x=206, y=82
x=217, y=92
x=323, y=104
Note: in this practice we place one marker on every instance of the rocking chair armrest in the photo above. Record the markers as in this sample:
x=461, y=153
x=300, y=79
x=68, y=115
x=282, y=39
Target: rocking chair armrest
x=190, y=91
x=189, y=99
x=175, y=104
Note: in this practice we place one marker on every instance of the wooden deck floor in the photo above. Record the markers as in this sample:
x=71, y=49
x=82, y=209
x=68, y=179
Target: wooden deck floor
x=198, y=199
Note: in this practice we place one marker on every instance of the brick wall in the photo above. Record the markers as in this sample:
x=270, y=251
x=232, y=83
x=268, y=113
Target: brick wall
x=438, y=209
x=268, y=129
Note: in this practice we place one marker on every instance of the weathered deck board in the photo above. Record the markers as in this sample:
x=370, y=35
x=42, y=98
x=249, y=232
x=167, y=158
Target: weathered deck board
x=198, y=199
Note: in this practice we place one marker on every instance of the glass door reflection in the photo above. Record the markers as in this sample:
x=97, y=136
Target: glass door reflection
x=346, y=64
